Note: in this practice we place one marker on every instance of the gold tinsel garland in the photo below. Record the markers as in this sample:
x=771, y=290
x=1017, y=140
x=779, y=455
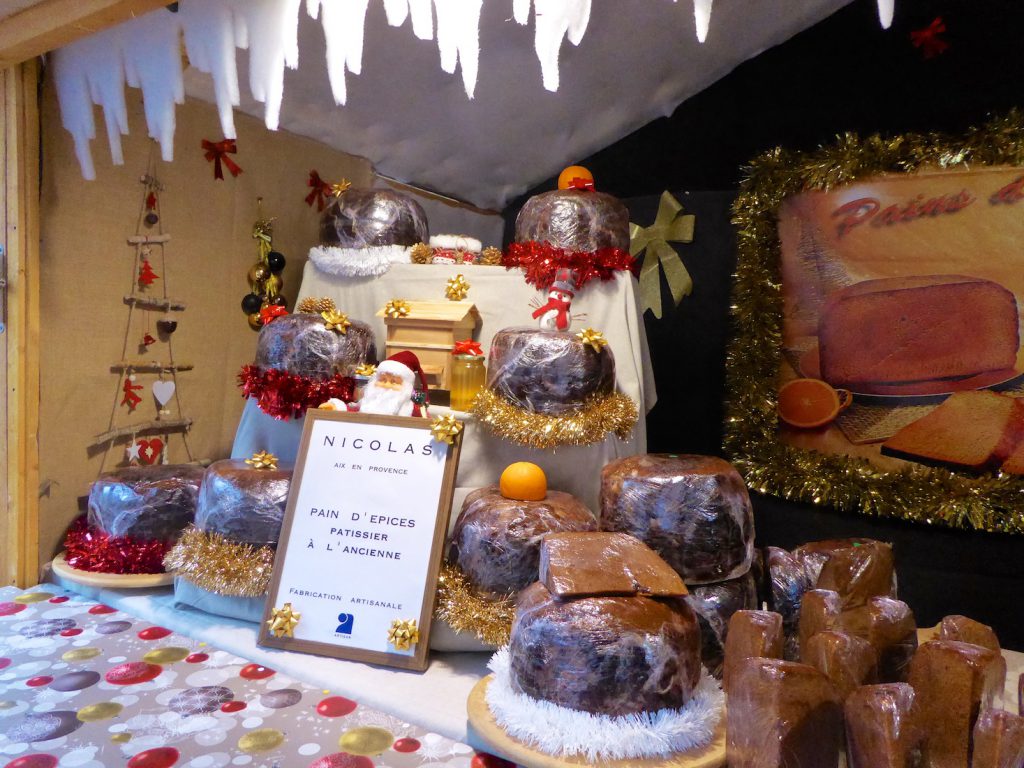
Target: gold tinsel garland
x=467, y=612
x=219, y=565
x=916, y=493
x=591, y=423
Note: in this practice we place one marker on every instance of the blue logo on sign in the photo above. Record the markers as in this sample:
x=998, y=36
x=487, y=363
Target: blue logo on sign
x=345, y=622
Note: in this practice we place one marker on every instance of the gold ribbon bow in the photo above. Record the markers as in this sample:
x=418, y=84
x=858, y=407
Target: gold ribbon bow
x=396, y=308
x=403, y=634
x=282, y=621
x=365, y=369
x=456, y=288
x=670, y=225
x=262, y=460
x=445, y=428
x=593, y=339
x=340, y=188
x=336, y=321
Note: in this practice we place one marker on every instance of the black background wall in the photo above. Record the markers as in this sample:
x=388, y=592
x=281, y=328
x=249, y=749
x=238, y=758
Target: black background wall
x=844, y=74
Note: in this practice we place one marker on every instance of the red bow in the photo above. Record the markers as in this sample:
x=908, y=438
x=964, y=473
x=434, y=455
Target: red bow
x=928, y=40
x=218, y=153
x=320, y=190
x=467, y=347
x=579, y=183
x=271, y=312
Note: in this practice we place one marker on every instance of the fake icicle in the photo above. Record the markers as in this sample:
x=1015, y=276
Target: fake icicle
x=554, y=20
x=271, y=33
x=886, y=9
x=702, y=17
x=422, y=16
x=458, y=38
x=209, y=28
x=343, y=22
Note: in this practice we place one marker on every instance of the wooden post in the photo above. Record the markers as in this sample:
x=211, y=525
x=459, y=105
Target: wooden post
x=19, y=155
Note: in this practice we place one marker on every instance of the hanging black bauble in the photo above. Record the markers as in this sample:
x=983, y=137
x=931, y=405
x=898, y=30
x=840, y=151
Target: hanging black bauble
x=151, y=219
x=275, y=259
x=251, y=303
x=167, y=327
x=279, y=301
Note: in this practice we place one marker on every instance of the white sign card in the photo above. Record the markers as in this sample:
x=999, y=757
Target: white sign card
x=362, y=537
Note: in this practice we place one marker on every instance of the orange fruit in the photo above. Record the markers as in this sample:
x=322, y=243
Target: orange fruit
x=810, y=403
x=573, y=172
x=523, y=481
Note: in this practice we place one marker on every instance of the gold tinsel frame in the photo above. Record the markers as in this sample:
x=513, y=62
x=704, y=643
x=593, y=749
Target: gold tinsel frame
x=916, y=493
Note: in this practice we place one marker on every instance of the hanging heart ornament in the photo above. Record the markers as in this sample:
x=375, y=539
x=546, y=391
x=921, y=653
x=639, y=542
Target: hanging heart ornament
x=163, y=391
x=149, y=450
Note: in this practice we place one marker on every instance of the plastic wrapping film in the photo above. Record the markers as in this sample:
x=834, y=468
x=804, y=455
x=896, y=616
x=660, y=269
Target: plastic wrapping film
x=752, y=634
x=575, y=220
x=781, y=713
x=819, y=612
x=858, y=573
x=714, y=605
x=998, y=740
x=814, y=554
x=145, y=503
x=606, y=655
x=787, y=581
x=692, y=510
x=243, y=504
x=968, y=630
x=890, y=627
x=362, y=218
x=846, y=660
x=549, y=372
x=496, y=541
x=880, y=728
x=301, y=344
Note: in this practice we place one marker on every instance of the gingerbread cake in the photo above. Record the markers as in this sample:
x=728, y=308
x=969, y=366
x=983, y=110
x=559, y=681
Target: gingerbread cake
x=243, y=504
x=574, y=219
x=153, y=503
x=364, y=218
x=714, y=605
x=302, y=344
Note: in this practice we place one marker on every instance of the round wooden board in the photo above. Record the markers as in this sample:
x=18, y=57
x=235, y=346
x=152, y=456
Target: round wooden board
x=480, y=717
x=110, y=580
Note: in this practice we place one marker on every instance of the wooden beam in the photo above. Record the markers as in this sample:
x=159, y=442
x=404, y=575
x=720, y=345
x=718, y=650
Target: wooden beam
x=19, y=146
x=50, y=24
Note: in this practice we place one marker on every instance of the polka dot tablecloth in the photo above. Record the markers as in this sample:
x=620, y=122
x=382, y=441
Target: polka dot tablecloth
x=85, y=685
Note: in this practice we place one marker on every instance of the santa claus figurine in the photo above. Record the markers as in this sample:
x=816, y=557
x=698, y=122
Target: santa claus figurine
x=554, y=316
x=398, y=387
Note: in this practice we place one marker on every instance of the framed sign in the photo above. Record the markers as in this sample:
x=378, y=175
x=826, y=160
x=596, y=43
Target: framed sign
x=361, y=543
x=877, y=364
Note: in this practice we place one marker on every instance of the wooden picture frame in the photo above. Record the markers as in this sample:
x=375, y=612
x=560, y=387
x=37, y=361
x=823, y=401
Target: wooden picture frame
x=292, y=544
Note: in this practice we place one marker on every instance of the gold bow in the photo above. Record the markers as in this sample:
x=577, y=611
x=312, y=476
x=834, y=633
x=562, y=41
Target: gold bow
x=445, y=428
x=340, y=188
x=669, y=226
x=396, y=308
x=403, y=634
x=457, y=288
x=593, y=339
x=365, y=369
x=282, y=621
x=262, y=460
x=336, y=321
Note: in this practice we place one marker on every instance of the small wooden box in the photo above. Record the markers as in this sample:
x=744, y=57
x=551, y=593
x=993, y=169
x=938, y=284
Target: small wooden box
x=430, y=331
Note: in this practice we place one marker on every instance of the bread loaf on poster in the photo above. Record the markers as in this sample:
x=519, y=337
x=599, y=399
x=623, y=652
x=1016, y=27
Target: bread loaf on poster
x=906, y=329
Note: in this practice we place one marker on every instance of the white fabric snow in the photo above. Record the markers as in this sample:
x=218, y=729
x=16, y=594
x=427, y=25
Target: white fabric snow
x=358, y=262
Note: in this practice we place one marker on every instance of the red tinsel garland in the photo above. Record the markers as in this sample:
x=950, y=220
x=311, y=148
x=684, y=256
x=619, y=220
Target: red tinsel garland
x=540, y=261
x=287, y=395
x=88, y=549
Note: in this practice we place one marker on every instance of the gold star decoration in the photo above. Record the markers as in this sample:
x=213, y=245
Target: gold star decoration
x=593, y=339
x=403, y=634
x=396, y=308
x=340, y=188
x=365, y=369
x=336, y=321
x=262, y=460
x=445, y=428
x=282, y=621
x=456, y=289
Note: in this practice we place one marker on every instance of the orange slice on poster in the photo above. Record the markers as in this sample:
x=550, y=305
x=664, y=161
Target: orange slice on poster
x=811, y=403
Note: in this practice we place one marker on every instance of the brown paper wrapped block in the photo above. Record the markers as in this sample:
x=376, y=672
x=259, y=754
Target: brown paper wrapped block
x=594, y=564
x=858, y=573
x=751, y=634
x=819, y=611
x=880, y=727
x=968, y=631
x=890, y=627
x=814, y=554
x=953, y=682
x=998, y=740
x=848, y=661
x=782, y=714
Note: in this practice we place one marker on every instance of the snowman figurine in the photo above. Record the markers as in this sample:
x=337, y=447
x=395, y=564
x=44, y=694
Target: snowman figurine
x=554, y=315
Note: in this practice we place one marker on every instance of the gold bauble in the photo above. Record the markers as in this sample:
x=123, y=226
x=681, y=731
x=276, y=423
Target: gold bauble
x=121, y=738
x=32, y=597
x=262, y=740
x=254, y=321
x=102, y=711
x=258, y=273
x=81, y=654
x=366, y=740
x=166, y=655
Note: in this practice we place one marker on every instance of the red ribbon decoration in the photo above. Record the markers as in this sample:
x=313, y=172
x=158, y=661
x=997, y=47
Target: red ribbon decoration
x=579, y=183
x=467, y=347
x=320, y=189
x=89, y=549
x=540, y=262
x=286, y=395
x=271, y=312
x=218, y=153
x=928, y=40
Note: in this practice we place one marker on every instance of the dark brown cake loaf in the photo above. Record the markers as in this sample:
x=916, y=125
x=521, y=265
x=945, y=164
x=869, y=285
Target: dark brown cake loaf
x=361, y=218
x=145, y=503
x=692, y=510
x=575, y=220
x=607, y=655
x=714, y=605
x=549, y=372
x=244, y=504
x=302, y=344
x=496, y=541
